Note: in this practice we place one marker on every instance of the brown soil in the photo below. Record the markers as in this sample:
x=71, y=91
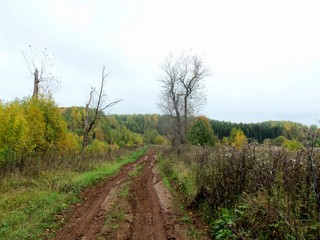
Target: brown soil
x=145, y=211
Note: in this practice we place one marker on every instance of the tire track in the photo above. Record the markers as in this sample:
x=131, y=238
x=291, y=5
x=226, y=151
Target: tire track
x=85, y=221
x=148, y=212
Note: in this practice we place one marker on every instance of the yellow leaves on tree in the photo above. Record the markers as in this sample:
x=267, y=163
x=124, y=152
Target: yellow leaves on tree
x=36, y=124
x=32, y=126
x=96, y=147
x=238, y=138
x=14, y=131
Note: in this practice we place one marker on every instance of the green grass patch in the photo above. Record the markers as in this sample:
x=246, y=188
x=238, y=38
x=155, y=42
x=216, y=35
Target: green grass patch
x=29, y=206
x=125, y=191
x=136, y=171
x=167, y=183
x=165, y=170
x=27, y=214
x=180, y=175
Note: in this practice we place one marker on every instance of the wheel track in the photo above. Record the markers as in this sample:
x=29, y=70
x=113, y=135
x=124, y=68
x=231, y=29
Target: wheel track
x=149, y=211
x=148, y=220
x=85, y=222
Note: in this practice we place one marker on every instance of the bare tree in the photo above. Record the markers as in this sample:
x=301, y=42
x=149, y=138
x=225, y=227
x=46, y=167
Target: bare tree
x=191, y=75
x=171, y=99
x=182, y=93
x=39, y=65
x=95, y=107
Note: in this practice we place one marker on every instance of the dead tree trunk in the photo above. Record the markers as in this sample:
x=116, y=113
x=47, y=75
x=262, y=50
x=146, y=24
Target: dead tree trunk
x=36, y=83
x=87, y=125
x=96, y=108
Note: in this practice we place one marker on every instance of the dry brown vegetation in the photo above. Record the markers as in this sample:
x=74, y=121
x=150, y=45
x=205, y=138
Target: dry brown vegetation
x=257, y=191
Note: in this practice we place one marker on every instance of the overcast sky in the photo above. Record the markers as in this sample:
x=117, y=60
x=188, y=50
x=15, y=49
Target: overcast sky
x=264, y=55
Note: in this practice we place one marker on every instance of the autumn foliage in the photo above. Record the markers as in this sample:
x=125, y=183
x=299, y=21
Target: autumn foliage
x=32, y=127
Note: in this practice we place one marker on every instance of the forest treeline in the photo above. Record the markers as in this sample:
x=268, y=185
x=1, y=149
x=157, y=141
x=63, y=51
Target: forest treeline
x=152, y=124
x=264, y=130
x=33, y=126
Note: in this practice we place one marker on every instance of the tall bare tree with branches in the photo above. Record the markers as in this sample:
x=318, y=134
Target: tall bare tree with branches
x=171, y=101
x=40, y=65
x=182, y=91
x=95, y=107
x=192, y=73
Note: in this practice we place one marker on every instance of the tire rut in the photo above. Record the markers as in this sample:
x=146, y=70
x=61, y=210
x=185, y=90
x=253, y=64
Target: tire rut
x=85, y=221
x=147, y=210
x=148, y=220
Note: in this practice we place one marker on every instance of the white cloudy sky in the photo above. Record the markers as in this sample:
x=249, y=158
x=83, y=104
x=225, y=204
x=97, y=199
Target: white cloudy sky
x=264, y=55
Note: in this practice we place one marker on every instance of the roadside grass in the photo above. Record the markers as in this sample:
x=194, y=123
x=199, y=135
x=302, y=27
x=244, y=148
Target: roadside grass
x=177, y=176
x=164, y=166
x=29, y=205
x=181, y=183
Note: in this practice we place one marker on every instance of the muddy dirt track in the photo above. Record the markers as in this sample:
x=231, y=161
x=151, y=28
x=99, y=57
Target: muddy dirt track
x=134, y=204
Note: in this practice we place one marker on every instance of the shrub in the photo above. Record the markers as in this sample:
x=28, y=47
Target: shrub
x=201, y=132
x=97, y=146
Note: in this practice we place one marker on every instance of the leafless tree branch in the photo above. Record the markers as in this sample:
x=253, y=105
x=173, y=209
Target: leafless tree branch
x=182, y=85
x=96, y=107
x=39, y=65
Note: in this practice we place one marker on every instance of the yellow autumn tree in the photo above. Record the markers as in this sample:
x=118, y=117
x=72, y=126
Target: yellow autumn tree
x=14, y=131
x=238, y=138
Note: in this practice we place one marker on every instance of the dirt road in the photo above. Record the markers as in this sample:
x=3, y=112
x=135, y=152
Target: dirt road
x=134, y=204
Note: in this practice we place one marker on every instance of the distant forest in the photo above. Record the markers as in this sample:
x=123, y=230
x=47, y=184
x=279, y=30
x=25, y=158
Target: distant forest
x=263, y=130
x=147, y=124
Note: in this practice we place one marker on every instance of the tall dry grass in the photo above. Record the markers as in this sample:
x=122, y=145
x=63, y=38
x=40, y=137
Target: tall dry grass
x=266, y=192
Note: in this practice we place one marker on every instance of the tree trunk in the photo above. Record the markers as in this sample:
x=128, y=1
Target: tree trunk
x=36, y=83
x=179, y=129
x=86, y=125
x=178, y=118
x=85, y=139
x=185, y=115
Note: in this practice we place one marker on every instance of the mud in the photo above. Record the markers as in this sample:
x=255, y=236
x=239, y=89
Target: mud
x=147, y=211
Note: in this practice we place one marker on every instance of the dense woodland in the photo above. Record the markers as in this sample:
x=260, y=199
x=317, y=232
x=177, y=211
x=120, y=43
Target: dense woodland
x=264, y=130
x=152, y=128
x=146, y=123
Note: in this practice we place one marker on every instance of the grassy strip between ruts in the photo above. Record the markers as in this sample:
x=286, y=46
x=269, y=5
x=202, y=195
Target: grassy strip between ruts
x=178, y=179
x=29, y=206
x=118, y=214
